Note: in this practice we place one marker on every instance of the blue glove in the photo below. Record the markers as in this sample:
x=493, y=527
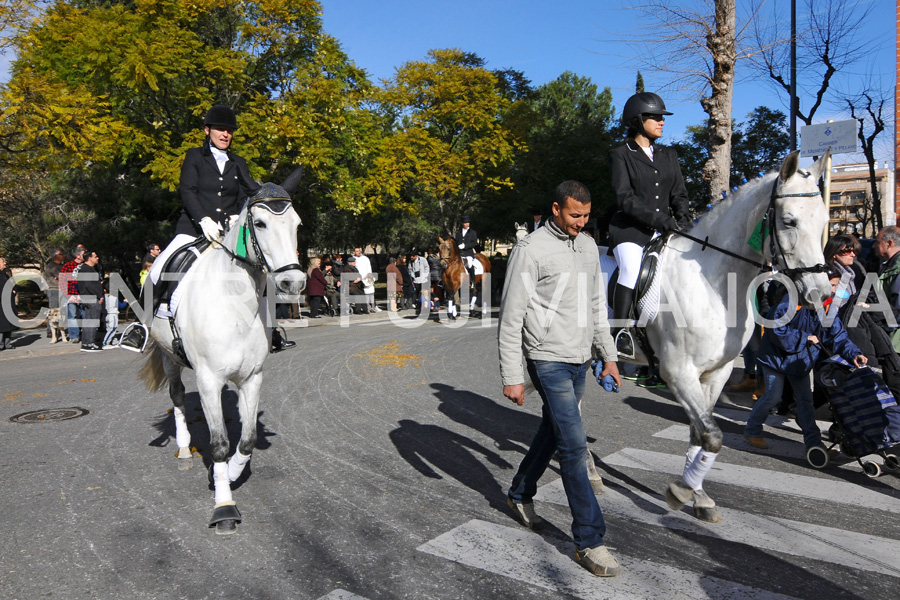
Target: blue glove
x=609, y=384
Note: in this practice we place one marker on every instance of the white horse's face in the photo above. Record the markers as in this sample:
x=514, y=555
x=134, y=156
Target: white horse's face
x=800, y=220
x=277, y=238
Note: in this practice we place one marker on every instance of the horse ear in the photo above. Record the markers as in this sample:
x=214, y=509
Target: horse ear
x=818, y=167
x=293, y=181
x=790, y=165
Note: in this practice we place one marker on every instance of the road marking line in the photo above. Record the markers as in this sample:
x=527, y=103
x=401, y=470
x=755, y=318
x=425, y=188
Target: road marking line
x=523, y=555
x=765, y=480
x=846, y=548
x=341, y=595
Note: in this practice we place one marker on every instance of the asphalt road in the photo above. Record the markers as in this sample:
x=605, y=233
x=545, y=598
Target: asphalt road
x=383, y=458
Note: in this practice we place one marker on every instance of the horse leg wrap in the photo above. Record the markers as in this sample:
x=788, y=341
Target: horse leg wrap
x=236, y=465
x=182, y=435
x=696, y=472
x=220, y=480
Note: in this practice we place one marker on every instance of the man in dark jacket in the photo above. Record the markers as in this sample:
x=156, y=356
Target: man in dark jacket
x=90, y=292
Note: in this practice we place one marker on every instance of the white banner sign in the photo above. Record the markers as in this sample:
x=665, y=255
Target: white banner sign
x=840, y=136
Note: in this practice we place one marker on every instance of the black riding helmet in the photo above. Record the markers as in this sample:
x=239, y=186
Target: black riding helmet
x=644, y=103
x=221, y=116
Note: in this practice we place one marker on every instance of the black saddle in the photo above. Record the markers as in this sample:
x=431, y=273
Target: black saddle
x=649, y=268
x=174, y=268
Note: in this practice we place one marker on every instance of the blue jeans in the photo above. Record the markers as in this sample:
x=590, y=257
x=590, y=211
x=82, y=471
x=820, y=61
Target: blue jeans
x=72, y=314
x=806, y=412
x=561, y=386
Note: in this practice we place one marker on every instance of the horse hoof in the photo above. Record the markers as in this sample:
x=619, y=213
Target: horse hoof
x=677, y=495
x=708, y=514
x=705, y=507
x=226, y=527
x=225, y=518
x=598, y=487
x=185, y=458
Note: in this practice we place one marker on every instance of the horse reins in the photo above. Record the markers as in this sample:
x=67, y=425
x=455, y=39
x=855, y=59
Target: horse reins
x=772, y=233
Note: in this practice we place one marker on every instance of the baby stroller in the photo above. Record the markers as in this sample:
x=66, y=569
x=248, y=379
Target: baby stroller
x=866, y=416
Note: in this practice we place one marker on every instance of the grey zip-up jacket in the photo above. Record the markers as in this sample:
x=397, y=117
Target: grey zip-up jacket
x=554, y=304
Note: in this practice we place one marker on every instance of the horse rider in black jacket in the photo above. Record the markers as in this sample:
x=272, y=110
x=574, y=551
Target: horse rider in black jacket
x=650, y=195
x=214, y=184
x=466, y=240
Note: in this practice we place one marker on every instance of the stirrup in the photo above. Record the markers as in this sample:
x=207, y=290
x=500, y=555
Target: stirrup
x=625, y=344
x=135, y=337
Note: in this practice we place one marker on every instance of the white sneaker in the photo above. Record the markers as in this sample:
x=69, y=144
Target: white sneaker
x=598, y=561
x=524, y=514
x=378, y=309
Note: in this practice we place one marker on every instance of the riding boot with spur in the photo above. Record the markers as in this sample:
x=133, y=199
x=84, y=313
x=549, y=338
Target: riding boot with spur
x=622, y=300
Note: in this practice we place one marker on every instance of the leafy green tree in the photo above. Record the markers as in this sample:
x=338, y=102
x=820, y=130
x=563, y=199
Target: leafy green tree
x=760, y=143
x=568, y=136
x=449, y=147
x=107, y=96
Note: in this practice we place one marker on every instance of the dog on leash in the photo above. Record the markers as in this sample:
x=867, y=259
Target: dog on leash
x=57, y=333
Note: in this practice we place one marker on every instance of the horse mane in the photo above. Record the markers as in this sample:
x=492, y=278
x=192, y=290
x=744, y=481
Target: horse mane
x=719, y=208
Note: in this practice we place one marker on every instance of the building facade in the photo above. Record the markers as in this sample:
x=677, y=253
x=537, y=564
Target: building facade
x=851, y=207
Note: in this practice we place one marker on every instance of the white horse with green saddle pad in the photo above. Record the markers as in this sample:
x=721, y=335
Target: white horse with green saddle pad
x=708, y=277
x=222, y=326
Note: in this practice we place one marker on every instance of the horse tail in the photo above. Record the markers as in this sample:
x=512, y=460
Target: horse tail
x=152, y=373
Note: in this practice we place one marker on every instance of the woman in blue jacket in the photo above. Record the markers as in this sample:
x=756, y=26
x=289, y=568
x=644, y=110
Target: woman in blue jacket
x=790, y=352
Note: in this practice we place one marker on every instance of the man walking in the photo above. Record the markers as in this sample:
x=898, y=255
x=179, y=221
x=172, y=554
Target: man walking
x=554, y=311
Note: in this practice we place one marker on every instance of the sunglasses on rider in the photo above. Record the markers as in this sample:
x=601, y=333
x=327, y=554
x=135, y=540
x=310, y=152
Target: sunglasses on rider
x=846, y=251
x=656, y=117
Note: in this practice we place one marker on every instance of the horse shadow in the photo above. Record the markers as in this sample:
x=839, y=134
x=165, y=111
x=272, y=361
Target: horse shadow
x=193, y=412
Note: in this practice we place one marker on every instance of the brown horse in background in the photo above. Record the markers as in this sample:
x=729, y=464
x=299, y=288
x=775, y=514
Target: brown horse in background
x=454, y=268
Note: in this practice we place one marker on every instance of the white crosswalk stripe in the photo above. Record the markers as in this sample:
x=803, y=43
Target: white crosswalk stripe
x=342, y=595
x=762, y=480
x=547, y=563
x=848, y=548
x=525, y=556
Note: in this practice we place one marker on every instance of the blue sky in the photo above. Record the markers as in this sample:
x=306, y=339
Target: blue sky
x=544, y=39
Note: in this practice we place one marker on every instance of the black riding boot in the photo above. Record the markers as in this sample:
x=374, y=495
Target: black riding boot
x=622, y=300
x=279, y=342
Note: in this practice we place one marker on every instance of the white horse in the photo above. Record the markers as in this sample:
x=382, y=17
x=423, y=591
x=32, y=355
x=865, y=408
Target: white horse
x=219, y=320
x=521, y=230
x=707, y=317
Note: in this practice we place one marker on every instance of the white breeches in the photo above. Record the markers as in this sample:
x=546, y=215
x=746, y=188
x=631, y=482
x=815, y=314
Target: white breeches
x=628, y=256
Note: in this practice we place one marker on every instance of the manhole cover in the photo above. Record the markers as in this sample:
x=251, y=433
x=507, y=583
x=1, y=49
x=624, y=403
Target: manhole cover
x=53, y=414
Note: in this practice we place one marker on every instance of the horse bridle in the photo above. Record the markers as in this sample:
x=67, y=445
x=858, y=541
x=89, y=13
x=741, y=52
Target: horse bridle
x=262, y=263
x=772, y=233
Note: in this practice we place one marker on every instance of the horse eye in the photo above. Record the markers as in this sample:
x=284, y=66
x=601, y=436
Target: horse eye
x=789, y=221
x=259, y=224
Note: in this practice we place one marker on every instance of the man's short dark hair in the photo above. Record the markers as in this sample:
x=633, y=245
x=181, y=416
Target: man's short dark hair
x=571, y=189
x=151, y=246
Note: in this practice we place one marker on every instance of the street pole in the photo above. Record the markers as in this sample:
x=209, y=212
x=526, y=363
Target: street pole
x=793, y=111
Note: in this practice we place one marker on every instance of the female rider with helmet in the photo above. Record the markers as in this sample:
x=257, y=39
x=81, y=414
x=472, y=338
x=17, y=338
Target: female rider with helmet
x=214, y=183
x=651, y=199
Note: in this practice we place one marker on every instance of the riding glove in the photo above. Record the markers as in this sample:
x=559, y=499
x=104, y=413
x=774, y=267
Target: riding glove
x=211, y=230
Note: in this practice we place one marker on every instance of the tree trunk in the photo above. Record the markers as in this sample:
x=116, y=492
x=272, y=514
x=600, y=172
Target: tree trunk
x=721, y=44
